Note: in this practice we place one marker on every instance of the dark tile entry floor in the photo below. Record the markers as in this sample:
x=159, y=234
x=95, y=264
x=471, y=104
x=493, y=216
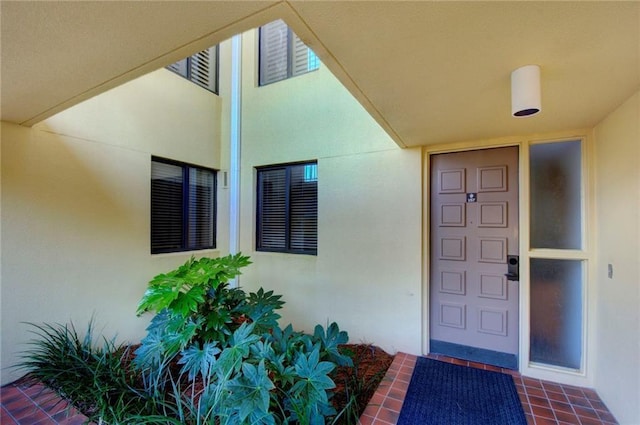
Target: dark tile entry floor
x=543, y=402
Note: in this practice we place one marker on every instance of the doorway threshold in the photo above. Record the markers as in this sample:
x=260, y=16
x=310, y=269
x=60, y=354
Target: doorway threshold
x=474, y=354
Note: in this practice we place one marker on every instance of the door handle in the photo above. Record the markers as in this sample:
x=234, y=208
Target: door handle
x=513, y=267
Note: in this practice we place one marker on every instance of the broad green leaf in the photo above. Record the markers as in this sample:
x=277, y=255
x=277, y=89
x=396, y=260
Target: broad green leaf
x=177, y=340
x=313, y=373
x=187, y=303
x=197, y=361
x=331, y=341
x=239, y=347
x=250, y=391
x=150, y=352
x=244, y=336
x=156, y=298
x=263, y=350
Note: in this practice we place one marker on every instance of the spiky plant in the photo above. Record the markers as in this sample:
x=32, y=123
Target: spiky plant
x=93, y=378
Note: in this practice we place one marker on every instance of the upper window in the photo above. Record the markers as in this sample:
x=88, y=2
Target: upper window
x=287, y=208
x=282, y=54
x=183, y=207
x=201, y=68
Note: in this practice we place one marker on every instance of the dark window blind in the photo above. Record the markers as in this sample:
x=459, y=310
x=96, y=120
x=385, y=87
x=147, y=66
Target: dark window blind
x=181, y=68
x=273, y=209
x=183, y=207
x=303, y=210
x=201, y=208
x=166, y=207
x=288, y=209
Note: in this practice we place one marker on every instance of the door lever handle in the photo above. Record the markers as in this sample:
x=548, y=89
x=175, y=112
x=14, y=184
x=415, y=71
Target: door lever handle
x=512, y=276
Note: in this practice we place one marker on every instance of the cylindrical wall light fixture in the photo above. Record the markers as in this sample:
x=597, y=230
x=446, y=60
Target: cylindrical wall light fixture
x=525, y=91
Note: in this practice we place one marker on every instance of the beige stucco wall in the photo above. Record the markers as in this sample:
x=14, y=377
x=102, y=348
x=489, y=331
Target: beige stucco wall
x=367, y=274
x=617, y=376
x=75, y=197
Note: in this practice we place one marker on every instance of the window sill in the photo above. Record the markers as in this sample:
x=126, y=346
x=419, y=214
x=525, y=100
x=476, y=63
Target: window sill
x=286, y=254
x=195, y=253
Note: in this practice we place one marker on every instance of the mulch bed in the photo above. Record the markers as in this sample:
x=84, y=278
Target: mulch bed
x=370, y=366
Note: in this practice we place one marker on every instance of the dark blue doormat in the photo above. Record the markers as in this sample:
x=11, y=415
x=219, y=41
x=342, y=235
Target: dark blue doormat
x=446, y=394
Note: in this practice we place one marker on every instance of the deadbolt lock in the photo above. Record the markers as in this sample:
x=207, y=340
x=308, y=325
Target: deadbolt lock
x=513, y=267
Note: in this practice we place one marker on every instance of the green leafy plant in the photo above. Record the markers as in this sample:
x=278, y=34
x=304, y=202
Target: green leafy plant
x=206, y=333
x=197, y=294
x=212, y=355
x=195, y=306
x=308, y=396
x=95, y=379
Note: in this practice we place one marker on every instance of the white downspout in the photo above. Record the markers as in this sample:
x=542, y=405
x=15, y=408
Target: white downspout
x=234, y=147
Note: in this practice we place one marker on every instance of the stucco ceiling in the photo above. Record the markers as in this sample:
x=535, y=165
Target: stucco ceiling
x=428, y=72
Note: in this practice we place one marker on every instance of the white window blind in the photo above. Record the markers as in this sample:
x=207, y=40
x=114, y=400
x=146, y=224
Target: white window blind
x=273, y=52
x=283, y=54
x=303, y=59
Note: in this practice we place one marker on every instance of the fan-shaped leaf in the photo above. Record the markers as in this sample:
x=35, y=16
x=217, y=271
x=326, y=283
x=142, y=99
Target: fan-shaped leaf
x=197, y=361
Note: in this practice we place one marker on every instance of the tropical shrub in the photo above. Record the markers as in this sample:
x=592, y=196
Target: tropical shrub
x=212, y=355
x=253, y=380
x=198, y=300
x=210, y=335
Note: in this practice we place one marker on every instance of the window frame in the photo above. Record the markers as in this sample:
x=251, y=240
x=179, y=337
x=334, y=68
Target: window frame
x=184, y=68
x=186, y=207
x=290, y=53
x=287, y=228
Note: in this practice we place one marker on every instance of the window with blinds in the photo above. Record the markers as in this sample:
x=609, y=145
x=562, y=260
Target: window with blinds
x=183, y=207
x=201, y=68
x=282, y=54
x=287, y=208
